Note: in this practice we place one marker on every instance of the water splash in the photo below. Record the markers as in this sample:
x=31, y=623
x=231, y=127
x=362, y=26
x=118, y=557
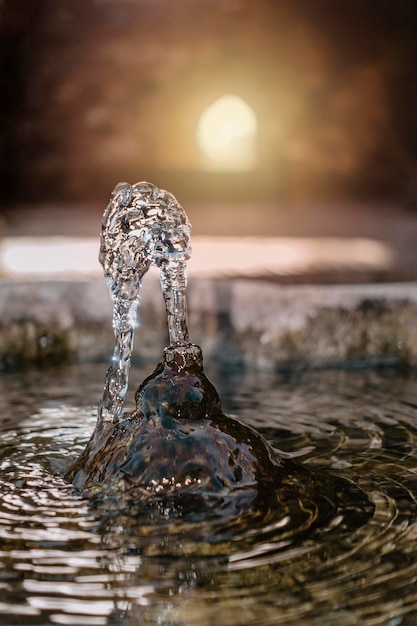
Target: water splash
x=142, y=225
x=177, y=452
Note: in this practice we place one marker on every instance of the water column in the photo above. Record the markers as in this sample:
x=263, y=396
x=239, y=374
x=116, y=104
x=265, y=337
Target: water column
x=142, y=225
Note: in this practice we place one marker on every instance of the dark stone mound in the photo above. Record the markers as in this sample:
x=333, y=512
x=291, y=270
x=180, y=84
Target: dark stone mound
x=178, y=450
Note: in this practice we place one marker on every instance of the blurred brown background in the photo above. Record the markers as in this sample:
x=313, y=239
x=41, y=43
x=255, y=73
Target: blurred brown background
x=98, y=91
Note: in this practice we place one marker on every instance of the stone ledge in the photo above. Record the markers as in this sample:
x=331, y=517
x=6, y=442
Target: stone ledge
x=237, y=321
x=309, y=326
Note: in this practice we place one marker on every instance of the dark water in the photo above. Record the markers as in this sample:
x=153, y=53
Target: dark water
x=61, y=564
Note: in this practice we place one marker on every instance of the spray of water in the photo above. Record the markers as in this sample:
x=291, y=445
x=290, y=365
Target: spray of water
x=142, y=225
x=177, y=457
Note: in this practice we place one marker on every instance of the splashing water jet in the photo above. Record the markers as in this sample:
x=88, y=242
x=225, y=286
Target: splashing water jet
x=141, y=225
x=177, y=454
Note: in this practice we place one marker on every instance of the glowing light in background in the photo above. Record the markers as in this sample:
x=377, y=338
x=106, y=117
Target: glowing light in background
x=51, y=258
x=227, y=135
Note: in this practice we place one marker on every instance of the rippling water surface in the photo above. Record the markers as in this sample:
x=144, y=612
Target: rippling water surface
x=61, y=564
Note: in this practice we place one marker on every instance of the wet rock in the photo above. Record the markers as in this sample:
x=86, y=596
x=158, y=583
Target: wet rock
x=180, y=450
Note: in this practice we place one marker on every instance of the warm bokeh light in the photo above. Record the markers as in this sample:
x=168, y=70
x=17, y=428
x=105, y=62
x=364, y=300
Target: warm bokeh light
x=317, y=97
x=257, y=256
x=49, y=257
x=227, y=135
x=68, y=258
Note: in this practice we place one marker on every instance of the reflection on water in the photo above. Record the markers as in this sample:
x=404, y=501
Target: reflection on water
x=62, y=565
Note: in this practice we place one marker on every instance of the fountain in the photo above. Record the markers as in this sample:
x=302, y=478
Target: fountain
x=302, y=511
x=177, y=452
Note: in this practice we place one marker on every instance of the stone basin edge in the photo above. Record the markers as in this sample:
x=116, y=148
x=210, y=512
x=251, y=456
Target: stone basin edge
x=236, y=321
